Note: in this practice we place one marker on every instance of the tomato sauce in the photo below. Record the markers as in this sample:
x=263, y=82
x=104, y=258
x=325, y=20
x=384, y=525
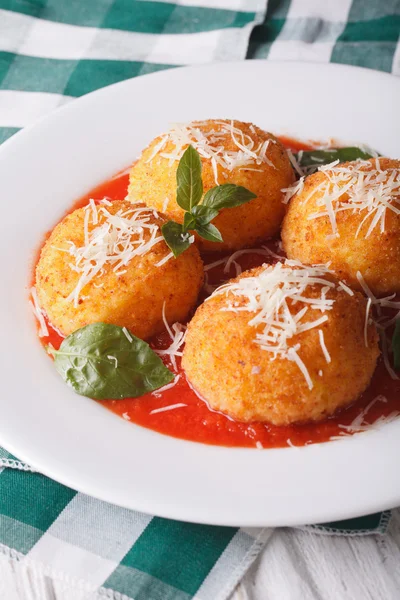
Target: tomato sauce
x=196, y=421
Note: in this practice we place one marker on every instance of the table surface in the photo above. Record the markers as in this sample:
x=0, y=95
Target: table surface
x=298, y=565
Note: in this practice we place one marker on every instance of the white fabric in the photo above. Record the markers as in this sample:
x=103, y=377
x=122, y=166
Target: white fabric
x=297, y=41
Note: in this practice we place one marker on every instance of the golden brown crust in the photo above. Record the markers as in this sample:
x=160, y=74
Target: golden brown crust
x=154, y=181
x=134, y=299
x=220, y=355
x=310, y=241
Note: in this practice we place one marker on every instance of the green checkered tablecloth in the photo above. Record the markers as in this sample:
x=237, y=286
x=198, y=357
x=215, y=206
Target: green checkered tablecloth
x=55, y=542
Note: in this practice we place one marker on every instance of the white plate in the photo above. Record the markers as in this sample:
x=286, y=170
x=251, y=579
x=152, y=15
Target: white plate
x=76, y=441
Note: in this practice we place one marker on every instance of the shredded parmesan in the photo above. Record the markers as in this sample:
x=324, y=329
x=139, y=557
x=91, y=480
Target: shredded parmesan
x=165, y=205
x=111, y=357
x=177, y=333
x=43, y=331
x=169, y=386
x=359, y=423
x=165, y=408
x=114, y=240
x=277, y=301
x=232, y=258
x=295, y=163
x=346, y=288
x=360, y=187
x=259, y=446
x=165, y=259
x=127, y=334
x=323, y=347
x=210, y=144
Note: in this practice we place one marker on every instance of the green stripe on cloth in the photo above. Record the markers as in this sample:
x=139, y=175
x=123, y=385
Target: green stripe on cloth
x=69, y=77
x=373, y=55
x=365, y=10
x=369, y=42
x=179, y=539
x=7, y=132
x=161, y=17
x=35, y=501
x=266, y=33
x=385, y=29
x=132, y=15
x=377, y=522
x=141, y=586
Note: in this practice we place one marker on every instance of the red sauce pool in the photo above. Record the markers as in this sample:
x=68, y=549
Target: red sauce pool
x=195, y=421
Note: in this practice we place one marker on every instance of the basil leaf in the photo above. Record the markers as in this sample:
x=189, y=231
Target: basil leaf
x=175, y=238
x=317, y=158
x=188, y=178
x=227, y=195
x=396, y=346
x=189, y=222
x=209, y=232
x=204, y=214
x=99, y=361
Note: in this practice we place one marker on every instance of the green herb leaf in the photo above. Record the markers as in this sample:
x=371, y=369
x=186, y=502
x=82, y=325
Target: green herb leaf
x=396, y=346
x=189, y=222
x=227, y=195
x=317, y=158
x=209, y=232
x=175, y=237
x=188, y=178
x=203, y=214
x=100, y=361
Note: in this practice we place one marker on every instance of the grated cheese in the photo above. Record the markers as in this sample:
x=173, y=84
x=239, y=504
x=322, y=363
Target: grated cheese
x=359, y=187
x=277, y=300
x=114, y=241
x=290, y=443
x=323, y=347
x=259, y=446
x=177, y=334
x=210, y=145
x=127, y=334
x=169, y=386
x=165, y=205
x=114, y=358
x=232, y=258
x=165, y=259
x=359, y=424
x=295, y=163
x=346, y=288
x=165, y=408
x=43, y=331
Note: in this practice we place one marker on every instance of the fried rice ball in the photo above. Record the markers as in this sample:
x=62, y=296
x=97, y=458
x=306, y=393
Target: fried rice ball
x=358, y=245
x=153, y=178
x=130, y=295
x=234, y=375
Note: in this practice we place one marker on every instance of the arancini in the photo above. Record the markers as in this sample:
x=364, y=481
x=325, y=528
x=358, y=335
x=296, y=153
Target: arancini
x=348, y=215
x=230, y=152
x=108, y=263
x=281, y=344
